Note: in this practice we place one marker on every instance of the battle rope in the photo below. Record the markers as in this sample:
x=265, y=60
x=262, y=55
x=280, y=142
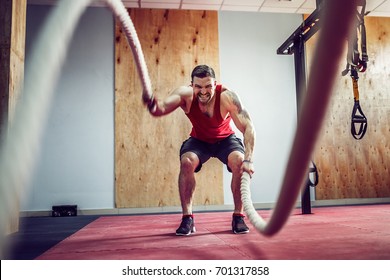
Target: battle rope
x=357, y=63
x=321, y=79
x=20, y=147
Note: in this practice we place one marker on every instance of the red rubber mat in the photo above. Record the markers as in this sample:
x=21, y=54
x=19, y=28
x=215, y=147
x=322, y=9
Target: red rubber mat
x=330, y=233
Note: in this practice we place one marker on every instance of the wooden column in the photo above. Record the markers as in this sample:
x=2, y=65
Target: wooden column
x=12, y=47
x=5, y=47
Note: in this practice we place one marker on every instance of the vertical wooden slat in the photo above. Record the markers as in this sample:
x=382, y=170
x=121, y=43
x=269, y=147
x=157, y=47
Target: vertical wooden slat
x=17, y=58
x=147, y=148
x=12, y=45
x=5, y=53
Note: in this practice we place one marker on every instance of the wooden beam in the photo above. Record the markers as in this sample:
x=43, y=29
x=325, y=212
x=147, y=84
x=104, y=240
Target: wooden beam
x=12, y=49
x=5, y=51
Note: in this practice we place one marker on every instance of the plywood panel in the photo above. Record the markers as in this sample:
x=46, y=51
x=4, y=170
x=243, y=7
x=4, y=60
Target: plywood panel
x=147, y=148
x=349, y=168
x=12, y=45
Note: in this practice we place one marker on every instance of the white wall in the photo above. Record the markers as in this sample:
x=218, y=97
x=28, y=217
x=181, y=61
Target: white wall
x=265, y=82
x=77, y=161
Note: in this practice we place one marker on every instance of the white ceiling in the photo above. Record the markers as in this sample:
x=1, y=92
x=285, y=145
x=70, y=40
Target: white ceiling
x=375, y=7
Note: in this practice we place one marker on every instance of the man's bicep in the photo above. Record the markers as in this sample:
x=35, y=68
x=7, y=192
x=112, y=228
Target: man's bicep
x=242, y=120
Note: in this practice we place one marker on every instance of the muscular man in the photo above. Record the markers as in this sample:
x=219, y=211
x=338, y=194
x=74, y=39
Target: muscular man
x=210, y=107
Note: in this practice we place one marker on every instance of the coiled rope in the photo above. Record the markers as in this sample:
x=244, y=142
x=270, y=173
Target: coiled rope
x=337, y=24
x=21, y=144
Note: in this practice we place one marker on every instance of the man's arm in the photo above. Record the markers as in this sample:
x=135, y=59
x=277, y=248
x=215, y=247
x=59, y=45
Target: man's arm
x=176, y=99
x=243, y=122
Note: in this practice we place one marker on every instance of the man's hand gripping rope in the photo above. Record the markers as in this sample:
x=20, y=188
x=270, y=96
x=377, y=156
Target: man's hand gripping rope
x=150, y=102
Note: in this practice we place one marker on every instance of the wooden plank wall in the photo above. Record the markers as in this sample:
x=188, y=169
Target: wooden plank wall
x=147, y=148
x=19, y=10
x=5, y=51
x=350, y=168
x=12, y=45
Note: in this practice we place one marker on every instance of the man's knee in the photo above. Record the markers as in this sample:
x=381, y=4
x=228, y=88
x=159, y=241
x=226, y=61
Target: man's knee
x=189, y=162
x=235, y=161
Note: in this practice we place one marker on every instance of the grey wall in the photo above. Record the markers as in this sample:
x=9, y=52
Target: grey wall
x=77, y=161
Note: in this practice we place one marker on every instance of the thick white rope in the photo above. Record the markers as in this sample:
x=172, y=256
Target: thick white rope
x=131, y=34
x=337, y=22
x=20, y=147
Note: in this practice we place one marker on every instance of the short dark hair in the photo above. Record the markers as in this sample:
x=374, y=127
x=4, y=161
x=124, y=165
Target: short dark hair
x=202, y=71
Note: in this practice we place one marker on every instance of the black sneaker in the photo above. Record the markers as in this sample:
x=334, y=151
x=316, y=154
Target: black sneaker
x=238, y=224
x=187, y=226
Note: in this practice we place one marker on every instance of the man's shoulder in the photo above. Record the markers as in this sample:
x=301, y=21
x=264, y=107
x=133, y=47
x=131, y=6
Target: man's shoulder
x=225, y=92
x=186, y=95
x=183, y=91
x=223, y=89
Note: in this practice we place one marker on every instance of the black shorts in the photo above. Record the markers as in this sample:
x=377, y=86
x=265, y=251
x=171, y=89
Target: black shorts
x=220, y=150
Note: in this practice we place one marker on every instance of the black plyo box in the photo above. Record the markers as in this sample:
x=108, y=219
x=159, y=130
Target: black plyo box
x=64, y=210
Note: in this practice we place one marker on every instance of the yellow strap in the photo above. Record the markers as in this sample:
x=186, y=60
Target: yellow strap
x=355, y=89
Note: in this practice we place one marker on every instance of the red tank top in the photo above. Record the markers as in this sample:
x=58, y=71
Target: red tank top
x=208, y=129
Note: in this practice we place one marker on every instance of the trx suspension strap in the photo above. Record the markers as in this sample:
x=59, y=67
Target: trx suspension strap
x=355, y=64
x=358, y=119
